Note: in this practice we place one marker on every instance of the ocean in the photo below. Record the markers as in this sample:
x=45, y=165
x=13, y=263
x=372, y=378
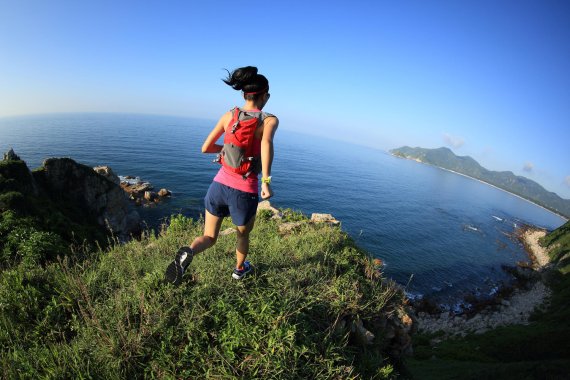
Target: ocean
x=439, y=234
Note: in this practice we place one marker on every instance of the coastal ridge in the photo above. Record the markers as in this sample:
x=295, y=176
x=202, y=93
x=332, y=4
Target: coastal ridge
x=520, y=186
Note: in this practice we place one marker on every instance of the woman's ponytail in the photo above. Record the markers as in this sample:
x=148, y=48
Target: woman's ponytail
x=247, y=80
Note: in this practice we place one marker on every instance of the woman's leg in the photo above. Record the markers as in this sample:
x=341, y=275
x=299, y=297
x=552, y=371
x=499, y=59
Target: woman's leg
x=211, y=230
x=177, y=267
x=242, y=246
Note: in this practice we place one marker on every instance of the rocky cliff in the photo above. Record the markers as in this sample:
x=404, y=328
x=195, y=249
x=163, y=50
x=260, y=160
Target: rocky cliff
x=99, y=195
x=96, y=194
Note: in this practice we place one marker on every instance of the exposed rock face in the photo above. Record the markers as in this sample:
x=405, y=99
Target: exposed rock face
x=325, y=218
x=108, y=173
x=98, y=194
x=266, y=205
x=394, y=330
x=15, y=175
x=289, y=227
x=164, y=193
x=11, y=156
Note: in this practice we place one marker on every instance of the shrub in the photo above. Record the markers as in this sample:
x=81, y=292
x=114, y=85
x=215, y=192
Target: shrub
x=13, y=200
x=179, y=223
x=26, y=244
x=41, y=246
x=290, y=215
x=264, y=215
x=15, y=176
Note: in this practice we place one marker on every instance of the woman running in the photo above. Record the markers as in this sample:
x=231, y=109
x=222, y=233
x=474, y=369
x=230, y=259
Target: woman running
x=247, y=150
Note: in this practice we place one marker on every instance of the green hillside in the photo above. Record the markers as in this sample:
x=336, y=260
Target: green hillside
x=521, y=186
x=111, y=316
x=558, y=243
x=74, y=303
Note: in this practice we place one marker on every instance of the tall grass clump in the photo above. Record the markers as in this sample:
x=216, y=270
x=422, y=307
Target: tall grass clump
x=112, y=316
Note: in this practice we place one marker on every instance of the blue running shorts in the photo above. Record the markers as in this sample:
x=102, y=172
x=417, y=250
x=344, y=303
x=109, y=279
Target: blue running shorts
x=222, y=201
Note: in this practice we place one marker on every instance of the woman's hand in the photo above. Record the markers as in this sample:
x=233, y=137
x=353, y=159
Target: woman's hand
x=266, y=191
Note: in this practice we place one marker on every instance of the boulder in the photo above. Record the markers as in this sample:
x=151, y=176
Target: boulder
x=406, y=322
x=100, y=197
x=288, y=227
x=149, y=195
x=164, y=193
x=141, y=192
x=324, y=218
x=363, y=336
x=136, y=190
x=108, y=173
x=266, y=205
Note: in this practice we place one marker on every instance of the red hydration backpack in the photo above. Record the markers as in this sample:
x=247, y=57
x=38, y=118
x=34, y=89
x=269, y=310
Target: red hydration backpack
x=241, y=154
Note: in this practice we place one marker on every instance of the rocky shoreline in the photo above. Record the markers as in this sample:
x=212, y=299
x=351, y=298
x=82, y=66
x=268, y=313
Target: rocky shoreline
x=141, y=192
x=513, y=309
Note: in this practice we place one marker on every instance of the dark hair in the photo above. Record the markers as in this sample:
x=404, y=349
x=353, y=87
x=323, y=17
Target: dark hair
x=249, y=81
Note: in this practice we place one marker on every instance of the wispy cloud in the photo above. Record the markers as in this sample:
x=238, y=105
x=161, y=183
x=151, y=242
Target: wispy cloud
x=528, y=167
x=567, y=181
x=453, y=141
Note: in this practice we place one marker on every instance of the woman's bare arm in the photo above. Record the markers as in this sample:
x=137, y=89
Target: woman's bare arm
x=210, y=145
x=267, y=152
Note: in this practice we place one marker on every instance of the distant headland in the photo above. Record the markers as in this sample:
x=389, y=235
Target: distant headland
x=521, y=186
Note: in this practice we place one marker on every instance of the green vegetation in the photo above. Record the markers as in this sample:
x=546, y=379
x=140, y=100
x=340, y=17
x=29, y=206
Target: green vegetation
x=558, y=243
x=539, y=350
x=111, y=315
x=73, y=304
x=34, y=227
x=521, y=186
x=73, y=307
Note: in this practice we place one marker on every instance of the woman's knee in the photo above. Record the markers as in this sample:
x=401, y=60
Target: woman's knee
x=210, y=240
x=207, y=240
x=242, y=233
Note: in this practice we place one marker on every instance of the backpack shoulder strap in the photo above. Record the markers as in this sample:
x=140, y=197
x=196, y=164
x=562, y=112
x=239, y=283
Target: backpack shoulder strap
x=236, y=117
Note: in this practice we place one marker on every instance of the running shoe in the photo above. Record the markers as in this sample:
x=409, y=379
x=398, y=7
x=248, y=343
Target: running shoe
x=240, y=273
x=177, y=267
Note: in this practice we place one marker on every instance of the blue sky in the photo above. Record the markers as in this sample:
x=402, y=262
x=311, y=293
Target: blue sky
x=489, y=79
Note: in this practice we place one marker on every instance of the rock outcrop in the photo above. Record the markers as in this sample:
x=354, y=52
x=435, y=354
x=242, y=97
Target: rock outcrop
x=142, y=192
x=11, y=156
x=266, y=205
x=324, y=218
x=95, y=191
x=291, y=226
x=108, y=173
x=16, y=176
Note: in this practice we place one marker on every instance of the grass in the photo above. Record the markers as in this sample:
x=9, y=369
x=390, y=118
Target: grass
x=559, y=247
x=110, y=315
